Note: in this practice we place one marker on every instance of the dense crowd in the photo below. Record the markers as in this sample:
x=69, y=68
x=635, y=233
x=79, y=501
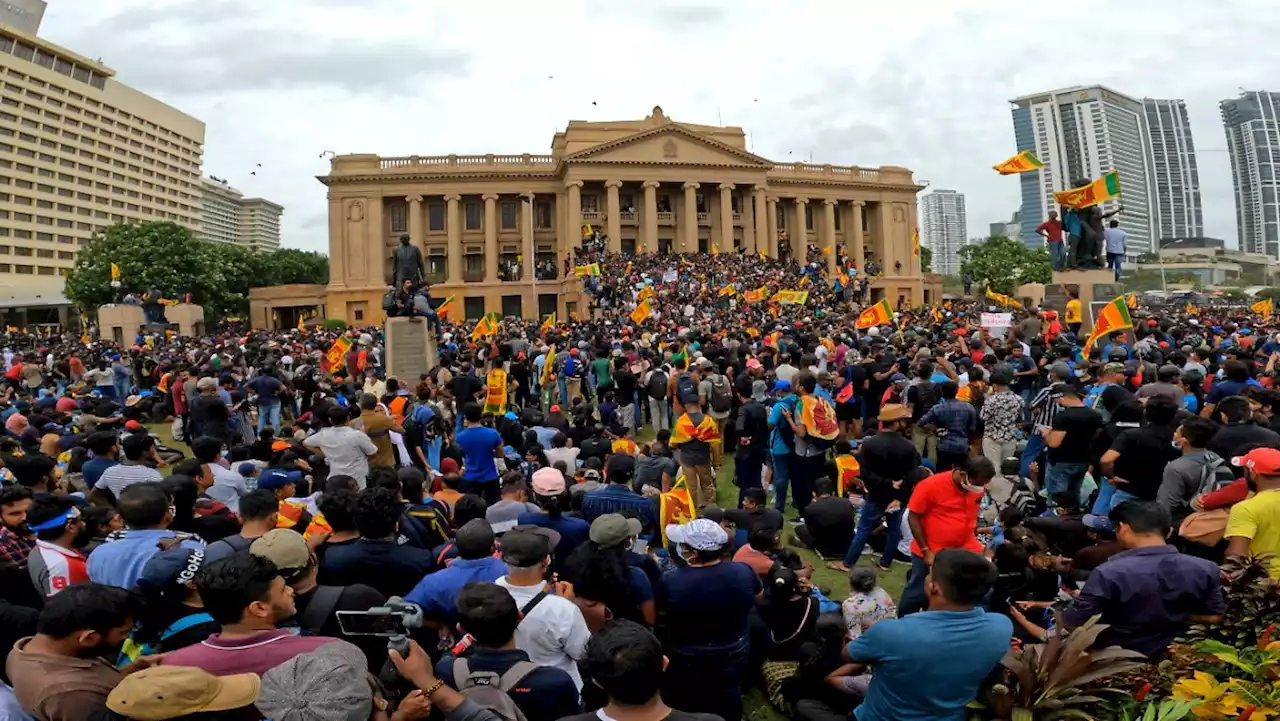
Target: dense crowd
x=617, y=516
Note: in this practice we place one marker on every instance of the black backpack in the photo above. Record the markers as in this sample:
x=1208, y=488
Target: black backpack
x=926, y=398
x=686, y=389
x=657, y=385
x=721, y=399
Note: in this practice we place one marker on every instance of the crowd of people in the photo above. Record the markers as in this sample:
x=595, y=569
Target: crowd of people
x=618, y=516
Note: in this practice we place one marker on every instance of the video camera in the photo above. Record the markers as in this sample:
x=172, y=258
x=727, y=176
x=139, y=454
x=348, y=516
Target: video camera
x=392, y=621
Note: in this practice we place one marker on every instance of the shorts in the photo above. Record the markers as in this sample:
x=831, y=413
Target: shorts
x=849, y=411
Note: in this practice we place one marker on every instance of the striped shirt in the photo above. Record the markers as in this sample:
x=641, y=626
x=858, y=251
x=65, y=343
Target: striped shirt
x=1045, y=406
x=53, y=567
x=121, y=476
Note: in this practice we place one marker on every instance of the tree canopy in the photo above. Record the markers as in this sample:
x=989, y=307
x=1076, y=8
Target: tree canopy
x=926, y=259
x=1002, y=264
x=168, y=258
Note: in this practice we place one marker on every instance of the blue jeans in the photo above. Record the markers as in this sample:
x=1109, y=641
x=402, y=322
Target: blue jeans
x=1035, y=446
x=1062, y=481
x=268, y=415
x=1113, y=261
x=913, y=597
x=1057, y=255
x=781, y=465
x=868, y=522
x=1109, y=497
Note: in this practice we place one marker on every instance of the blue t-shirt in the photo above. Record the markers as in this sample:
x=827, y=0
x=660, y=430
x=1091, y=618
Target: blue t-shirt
x=267, y=388
x=1223, y=389
x=93, y=469
x=120, y=560
x=708, y=605
x=477, y=444
x=911, y=681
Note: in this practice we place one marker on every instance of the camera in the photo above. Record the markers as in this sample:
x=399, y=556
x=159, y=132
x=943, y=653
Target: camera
x=391, y=620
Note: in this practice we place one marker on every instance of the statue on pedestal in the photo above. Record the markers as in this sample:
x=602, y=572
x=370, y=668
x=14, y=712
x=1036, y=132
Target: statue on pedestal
x=407, y=264
x=1083, y=226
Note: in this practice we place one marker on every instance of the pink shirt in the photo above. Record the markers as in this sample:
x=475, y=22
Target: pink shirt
x=258, y=653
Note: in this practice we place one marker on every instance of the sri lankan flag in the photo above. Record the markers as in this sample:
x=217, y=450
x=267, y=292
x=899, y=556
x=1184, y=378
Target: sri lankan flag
x=675, y=507
x=443, y=310
x=1113, y=316
x=937, y=315
x=1131, y=300
x=549, y=323
x=877, y=314
x=728, y=290
x=1191, y=309
x=548, y=368
x=684, y=431
x=1264, y=308
x=841, y=281
x=587, y=270
x=641, y=313
x=771, y=340
x=798, y=297
x=1104, y=188
x=645, y=294
x=337, y=351
x=115, y=272
x=1002, y=299
x=1020, y=163
x=915, y=243
x=486, y=326
x=755, y=296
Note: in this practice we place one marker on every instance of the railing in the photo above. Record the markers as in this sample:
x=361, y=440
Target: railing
x=666, y=218
x=437, y=278
x=472, y=276
x=592, y=216
x=704, y=219
x=546, y=273
x=832, y=170
x=507, y=274
x=627, y=218
x=737, y=217
x=418, y=161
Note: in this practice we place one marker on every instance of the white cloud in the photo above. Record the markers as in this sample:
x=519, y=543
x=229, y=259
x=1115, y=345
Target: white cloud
x=920, y=84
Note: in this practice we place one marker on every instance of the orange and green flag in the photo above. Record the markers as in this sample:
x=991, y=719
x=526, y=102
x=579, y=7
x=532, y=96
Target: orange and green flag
x=1023, y=162
x=1264, y=308
x=443, y=310
x=1113, y=316
x=878, y=314
x=641, y=313
x=1104, y=188
x=1002, y=299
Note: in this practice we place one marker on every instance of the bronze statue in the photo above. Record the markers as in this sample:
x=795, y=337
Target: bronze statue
x=1083, y=226
x=407, y=264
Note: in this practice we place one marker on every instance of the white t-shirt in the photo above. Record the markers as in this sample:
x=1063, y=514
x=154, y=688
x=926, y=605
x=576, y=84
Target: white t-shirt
x=568, y=455
x=821, y=354
x=345, y=449
x=554, y=633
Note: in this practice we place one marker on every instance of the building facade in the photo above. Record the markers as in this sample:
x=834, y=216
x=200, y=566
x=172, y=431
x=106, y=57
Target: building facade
x=1252, y=125
x=227, y=216
x=1081, y=133
x=1173, y=163
x=1011, y=228
x=80, y=151
x=498, y=231
x=943, y=229
x=25, y=15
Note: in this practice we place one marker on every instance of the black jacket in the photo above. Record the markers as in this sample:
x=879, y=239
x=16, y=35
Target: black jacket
x=885, y=458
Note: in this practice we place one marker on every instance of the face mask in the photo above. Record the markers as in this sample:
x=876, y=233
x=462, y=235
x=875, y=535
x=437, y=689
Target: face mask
x=1176, y=445
x=971, y=488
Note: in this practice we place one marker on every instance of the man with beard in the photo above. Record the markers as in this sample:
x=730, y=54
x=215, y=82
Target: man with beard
x=60, y=673
x=16, y=542
x=56, y=563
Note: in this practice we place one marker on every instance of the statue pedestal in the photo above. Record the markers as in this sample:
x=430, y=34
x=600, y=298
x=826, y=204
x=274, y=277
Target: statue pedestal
x=1097, y=287
x=411, y=349
x=120, y=323
x=188, y=317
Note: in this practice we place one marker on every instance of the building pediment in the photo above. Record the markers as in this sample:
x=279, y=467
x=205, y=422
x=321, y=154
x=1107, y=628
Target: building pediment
x=670, y=144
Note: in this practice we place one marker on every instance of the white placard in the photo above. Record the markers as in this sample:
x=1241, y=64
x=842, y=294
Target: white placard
x=997, y=320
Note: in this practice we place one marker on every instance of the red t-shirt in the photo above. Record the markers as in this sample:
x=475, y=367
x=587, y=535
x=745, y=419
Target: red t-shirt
x=1053, y=228
x=948, y=514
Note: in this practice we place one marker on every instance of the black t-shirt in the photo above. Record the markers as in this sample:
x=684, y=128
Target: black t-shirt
x=624, y=385
x=1114, y=395
x=921, y=397
x=1144, y=452
x=464, y=387
x=1081, y=424
x=857, y=375
x=754, y=518
x=875, y=388
x=753, y=427
x=595, y=447
x=830, y=522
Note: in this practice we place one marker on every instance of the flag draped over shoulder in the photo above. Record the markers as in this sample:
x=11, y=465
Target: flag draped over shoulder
x=443, y=310
x=1104, y=188
x=1264, y=308
x=641, y=313
x=337, y=351
x=798, y=297
x=818, y=417
x=675, y=507
x=684, y=431
x=1002, y=299
x=495, y=399
x=1113, y=316
x=877, y=314
x=1021, y=163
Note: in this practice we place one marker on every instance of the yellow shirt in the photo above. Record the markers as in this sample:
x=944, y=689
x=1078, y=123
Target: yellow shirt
x=1258, y=519
x=1074, y=314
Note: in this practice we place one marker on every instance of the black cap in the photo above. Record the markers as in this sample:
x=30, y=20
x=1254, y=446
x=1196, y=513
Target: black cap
x=621, y=468
x=475, y=539
x=526, y=546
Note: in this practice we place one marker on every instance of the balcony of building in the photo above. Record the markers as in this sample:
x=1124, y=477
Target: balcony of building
x=629, y=218
x=666, y=218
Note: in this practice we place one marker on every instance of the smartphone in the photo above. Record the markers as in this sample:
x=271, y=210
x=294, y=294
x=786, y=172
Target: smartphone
x=370, y=623
x=640, y=546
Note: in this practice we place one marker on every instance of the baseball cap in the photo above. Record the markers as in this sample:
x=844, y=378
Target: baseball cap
x=474, y=539
x=284, y=547
x=613, y=529
x=753, y=363
x=700, y=534
x=526, y=546
x=1060, y=370
x=174, y=567
x=548, y=482
x=246, y=469
x=132, y=425
x=1265, y=461
x=206, y=383
x=328, y=684
x=273, y=479
x=448, y=465
x=166, y=692
x=1113, y=368
x=897, y=378
x=782, y=384
x=1098, y=523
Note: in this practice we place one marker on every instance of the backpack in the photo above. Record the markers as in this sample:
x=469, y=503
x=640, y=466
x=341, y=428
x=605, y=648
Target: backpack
x=491, y=691
x=657, y=385
x=424, y=526
x=321, y=608
x=1215, y=474
x=132, y=650
x=721, y=400
x=1094, y=400
x=926, y=398
x=571, y=368
x=686, y=389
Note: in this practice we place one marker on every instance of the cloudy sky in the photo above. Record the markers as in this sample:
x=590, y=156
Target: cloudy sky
x=923, y=84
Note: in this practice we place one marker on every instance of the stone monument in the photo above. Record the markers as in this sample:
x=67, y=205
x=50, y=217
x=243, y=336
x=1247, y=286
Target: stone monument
x=188, y=317
x=120, y=322
x=411, y=348
x=1096, y=288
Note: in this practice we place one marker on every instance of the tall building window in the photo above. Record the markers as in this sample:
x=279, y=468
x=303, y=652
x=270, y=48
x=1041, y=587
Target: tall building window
x=475, y=212
x=509, y=215
x=435, y=217
x=399, y=213
x=542, y=214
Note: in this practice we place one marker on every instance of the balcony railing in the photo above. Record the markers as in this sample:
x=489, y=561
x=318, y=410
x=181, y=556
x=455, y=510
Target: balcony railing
x=509, y=273
x=704, y=219
x=592, y=216
x=545, y=272
x=831, y=170
x=472, y=276
x=525, y=160
x=666, y=218
x=737, y=217
x=628, y=218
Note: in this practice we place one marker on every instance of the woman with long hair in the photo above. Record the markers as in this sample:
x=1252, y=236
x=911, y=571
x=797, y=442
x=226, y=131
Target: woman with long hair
x=551, y=496
x=789, y=610
x=605, y=583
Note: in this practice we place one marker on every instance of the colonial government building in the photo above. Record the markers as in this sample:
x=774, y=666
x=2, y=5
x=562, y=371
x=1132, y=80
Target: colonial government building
x=497, y=231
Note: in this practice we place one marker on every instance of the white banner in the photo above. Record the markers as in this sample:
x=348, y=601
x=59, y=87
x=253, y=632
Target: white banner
x=670, y=276
x=997, y=320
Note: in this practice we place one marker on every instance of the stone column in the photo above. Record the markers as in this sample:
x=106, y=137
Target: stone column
x=614, y=222
x=689, y=218
x=726, y=218
x=748, y=223
x=575, y=213
x=490, y=237
x=453, y=226
x=771, y=220
x=913, y=218
x=799, y=235
x=337, y=244
x=415, y=223
x=760, y=219
x=858, y=252
x=649, y=217
x=827, y=235
x=528, y=204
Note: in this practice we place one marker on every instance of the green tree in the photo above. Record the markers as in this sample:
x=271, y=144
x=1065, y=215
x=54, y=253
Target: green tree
x=288, y=265
x=1002, y=264
x=926, y=259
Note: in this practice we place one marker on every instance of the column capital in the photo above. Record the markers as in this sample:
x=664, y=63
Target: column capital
x=859, y=203
x=573, y=184
x=453, y=197
x=727, y=186
x=489, y=196
x=759, y=189
x=613, y=183
x=529, y=195
x=830, y=201
x=801, y=200
x=690, y=186
x=771, y=200
x=414, y=198
x=651, y=184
